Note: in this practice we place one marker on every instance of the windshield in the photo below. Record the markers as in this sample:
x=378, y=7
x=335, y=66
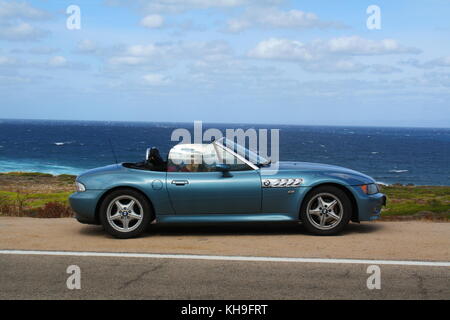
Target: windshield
x=251, y=156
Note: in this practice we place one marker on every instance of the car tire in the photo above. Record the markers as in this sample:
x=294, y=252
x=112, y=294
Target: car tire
x=326, y=211
x=125, y=213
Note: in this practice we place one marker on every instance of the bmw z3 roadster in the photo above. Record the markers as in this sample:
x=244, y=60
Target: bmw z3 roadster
x=222, y=182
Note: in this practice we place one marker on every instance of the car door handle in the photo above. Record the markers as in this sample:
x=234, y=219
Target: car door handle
x=180, y=182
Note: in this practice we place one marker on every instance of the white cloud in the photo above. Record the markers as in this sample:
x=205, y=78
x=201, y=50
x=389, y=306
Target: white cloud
x=281, y=49
x=356, y=45
x=332, y=56
x=207, y=50
x=57, y=62
x=20, y=10
x=87, y=46
x=384, y=69
x=158, y=53
x=7, y=61
x=148, y=50
x=236, y=25
x=140, y=54
x=348, y=66
x=126, y=60
x=172, y=6
x=60, y=62
x=435, y=63
x=42, y=50
x=273, y=17
x=156, y=79
x=90, y=47
x=21, y=32
x=54, y=62
x=441, y=62
x=285, y=49
x=14, y=21
x=152, y=21
x=340, y=66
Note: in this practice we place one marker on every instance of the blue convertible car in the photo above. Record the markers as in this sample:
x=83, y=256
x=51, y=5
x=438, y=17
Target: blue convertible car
x=222, y=182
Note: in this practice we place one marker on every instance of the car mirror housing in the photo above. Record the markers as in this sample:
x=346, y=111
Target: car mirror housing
x=224, y=168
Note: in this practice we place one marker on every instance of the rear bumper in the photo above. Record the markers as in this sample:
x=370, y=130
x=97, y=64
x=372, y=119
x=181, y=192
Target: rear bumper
x=84, y=204
x=369, y=206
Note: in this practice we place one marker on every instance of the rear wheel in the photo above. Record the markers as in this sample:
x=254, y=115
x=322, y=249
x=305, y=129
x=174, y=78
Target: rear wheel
x=125, y=213
x=326, y=211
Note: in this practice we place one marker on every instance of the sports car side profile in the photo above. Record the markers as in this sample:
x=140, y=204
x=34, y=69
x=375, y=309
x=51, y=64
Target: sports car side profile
x=222, y=182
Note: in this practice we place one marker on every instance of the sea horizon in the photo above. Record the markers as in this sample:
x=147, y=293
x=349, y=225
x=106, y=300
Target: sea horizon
x=234, y=124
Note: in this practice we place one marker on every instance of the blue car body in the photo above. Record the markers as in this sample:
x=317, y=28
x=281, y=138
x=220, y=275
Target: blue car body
x=238, y=196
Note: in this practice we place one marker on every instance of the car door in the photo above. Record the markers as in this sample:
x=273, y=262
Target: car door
x=200, y=189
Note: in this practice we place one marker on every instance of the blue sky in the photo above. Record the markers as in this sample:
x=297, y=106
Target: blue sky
x=244, y=61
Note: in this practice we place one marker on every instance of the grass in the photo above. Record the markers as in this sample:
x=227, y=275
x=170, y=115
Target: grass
x=44, y=195
x=36, y=200
x=20, y=203
x=418, y=201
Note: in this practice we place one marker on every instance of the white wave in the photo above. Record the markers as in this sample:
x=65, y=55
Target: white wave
x=398, y=171
x=36, y=166
x=63, y=143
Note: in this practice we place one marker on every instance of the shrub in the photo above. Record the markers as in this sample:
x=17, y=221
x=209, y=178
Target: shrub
x=21, y=199
x=6, y=205
x=54, y=210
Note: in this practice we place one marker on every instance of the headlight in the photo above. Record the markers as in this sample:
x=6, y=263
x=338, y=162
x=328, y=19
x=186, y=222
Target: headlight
x=370, y=188
x=80, y=187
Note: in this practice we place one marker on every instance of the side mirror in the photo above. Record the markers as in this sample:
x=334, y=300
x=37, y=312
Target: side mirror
x=224, y=168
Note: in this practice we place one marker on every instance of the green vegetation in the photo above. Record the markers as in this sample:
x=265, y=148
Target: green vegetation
x=34, y=204
x=35, y=194
x=34, y=200
x=420, y=201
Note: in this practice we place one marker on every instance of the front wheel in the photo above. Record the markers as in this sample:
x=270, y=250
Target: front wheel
x=125, y=213
x=326, y=211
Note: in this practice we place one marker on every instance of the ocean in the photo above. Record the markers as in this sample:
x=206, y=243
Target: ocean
x=419, y=156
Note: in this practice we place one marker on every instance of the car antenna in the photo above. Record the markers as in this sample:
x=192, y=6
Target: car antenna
x=112, y=149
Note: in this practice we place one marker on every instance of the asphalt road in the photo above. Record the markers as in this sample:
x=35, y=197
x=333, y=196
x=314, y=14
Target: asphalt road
x=44, y=277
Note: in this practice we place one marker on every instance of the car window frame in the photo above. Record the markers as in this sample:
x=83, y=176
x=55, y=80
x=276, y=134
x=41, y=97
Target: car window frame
x=236, y=155
x=216, y=145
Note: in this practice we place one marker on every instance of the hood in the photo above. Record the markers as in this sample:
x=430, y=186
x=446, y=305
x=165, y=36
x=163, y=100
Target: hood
x=314, y=172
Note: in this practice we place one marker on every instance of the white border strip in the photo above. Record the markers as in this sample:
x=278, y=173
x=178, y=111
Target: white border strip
x=225, y=258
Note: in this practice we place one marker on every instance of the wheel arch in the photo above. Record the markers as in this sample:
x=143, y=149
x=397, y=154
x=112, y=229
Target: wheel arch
x=106, y=193
x=355, y=216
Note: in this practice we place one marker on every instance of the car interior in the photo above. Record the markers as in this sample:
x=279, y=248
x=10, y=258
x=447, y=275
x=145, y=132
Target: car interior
x=153, y=162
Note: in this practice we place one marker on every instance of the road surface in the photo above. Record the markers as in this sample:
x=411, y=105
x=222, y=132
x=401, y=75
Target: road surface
x=44, y=277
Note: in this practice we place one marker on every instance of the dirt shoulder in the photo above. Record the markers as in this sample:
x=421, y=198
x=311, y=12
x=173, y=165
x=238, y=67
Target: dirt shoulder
x=411, y=240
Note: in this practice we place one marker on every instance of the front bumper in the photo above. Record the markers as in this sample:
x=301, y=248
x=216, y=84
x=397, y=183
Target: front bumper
x=369, y=206
x=84, y=204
